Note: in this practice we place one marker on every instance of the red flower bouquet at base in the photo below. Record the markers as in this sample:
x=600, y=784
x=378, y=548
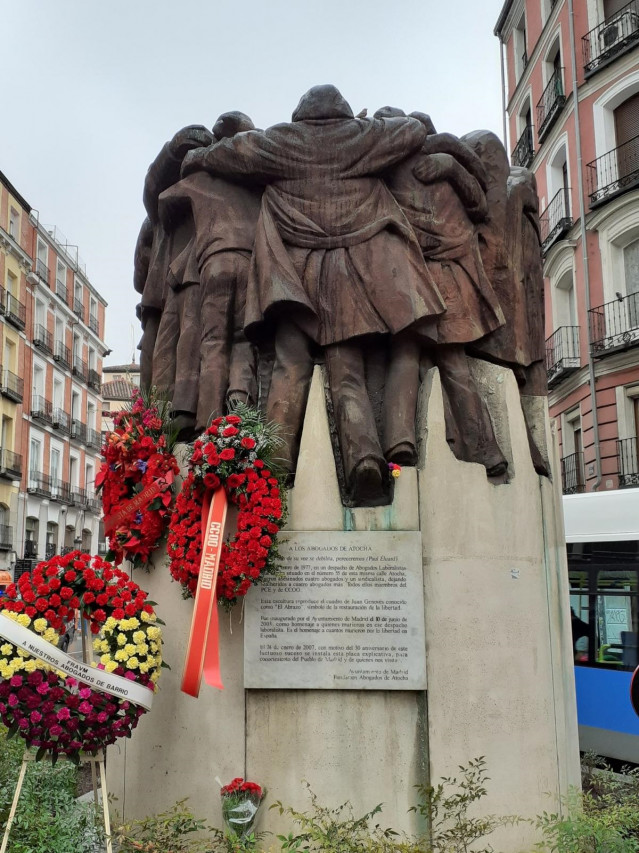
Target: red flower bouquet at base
x=240, y=803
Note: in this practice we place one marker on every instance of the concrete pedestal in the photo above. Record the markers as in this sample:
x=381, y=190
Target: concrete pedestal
x=498, y=652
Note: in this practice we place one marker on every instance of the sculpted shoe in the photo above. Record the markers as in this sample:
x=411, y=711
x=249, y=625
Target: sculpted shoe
x=403, y=453
x=367, y=482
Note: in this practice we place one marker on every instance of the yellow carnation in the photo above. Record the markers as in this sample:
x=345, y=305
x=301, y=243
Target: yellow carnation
x=154, y=632
x=121, y=639
x=6, y=649
x=110, y=666
x=40, y=625
x=129, y=649
x=120, y=655
x=132, y=663
x=23, y=619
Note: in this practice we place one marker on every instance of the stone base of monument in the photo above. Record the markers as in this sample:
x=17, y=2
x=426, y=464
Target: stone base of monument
x=341, y=674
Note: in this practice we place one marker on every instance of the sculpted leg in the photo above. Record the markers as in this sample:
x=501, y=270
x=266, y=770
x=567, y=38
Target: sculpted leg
x=187, y=370
x=218, y=284
x=164, y=352
x=469, y=411
x=364, y=463
x=290, y=384
x=400, y=400
x=150, y=319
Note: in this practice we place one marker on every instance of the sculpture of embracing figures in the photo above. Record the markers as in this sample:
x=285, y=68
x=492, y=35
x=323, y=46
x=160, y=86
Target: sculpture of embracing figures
x=375, y=246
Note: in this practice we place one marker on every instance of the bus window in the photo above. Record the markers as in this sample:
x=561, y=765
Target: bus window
x=579, y=614
x=617, y=618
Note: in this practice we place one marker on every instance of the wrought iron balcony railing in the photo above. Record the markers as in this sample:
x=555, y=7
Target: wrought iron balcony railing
x=41, y=409
x=39, y=484
x=67, y=549
x=30, y=549
x=80, y=368
x=3, y=300
x=79, y=431
x=94, y=438
x=612, y=37
x=78, y=307
x=15, y=311
x=10, y=464
x=94, y=380
x=6, y=537
x=94, y=504
x=614, y=172
x=50, y=550
x=60, y=491
x=551, y=103
x=524, y=151
x=78, y=496
x=42, y=338
x=562, y=354
x=42, y=270
x=60, y=420
x=61, y=290
x=572, y=474
x=93, y=323
x=614, y=325
x=627, y=460
x=62, y=354
x=12, y=386
x=555, y=220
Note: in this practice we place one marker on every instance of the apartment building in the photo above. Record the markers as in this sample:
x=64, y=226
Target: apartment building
x=51, y=346
x=571, y=105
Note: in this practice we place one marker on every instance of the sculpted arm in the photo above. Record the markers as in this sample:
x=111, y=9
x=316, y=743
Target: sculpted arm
x=385, y=142
x=446, y=143
x=443, y=167
x=164, y=171
x=253, y=154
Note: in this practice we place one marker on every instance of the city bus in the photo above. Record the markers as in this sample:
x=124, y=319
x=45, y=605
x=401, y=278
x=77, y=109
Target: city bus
x=602, y=540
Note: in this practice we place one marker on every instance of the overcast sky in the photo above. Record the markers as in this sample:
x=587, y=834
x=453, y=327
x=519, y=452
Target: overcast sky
x=93, y=88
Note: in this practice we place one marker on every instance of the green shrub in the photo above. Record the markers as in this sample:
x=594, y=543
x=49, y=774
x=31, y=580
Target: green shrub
x=48, y=818
x=173, y=831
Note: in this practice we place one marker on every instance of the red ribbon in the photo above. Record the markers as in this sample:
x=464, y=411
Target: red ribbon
x=137, y=502
x=203, y=650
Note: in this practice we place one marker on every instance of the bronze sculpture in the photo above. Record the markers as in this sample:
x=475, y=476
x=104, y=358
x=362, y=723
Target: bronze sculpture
x=360, y=243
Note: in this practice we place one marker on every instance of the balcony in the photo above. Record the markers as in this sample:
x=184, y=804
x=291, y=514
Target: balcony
x=60, y=420
x=613, y=37
x=43, y=271
x=79, y=496
x=614, y=326
x=94, y=438
x=572, y=474
x=12, y=386
x=524, y=152
x=94, y=504
x=39, y=484
x=562, y=354
x=78, y=307
x=60, y=491
x=103, y=549
x=50, y=550
x=551, y=104
x=93, y=323
x=6, y=537
x=67, y=549
x=94, y=380
x=15, y=311
x=555, y=220
x=10, y=464
x=41, y=409
x=80, y=368
x=614, y=173
x=62, y=355
x=61, y=290
x=79, y=431
x=627, y=459
x=43, y=339
x=30, y=549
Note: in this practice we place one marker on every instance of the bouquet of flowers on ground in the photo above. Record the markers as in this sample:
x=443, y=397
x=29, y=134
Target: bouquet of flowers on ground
x=240, y=803
x=136, y=478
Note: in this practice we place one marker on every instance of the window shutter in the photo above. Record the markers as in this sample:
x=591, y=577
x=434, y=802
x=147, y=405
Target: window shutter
x=627, y=120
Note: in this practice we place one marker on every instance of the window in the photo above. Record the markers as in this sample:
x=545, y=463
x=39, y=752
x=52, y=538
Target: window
x=14, y=224
x=91, y=415
x=604, y=595
x=35, y=455
x=572, y=470
x=12, y=284
x=52, y=540
x=38, y=380
x=626, y=117
x=564, y=302
x=520, y=43
x=631, y=281
x=9, y=355
x=61, y=280
x=56, y=464
x=31, y=529
x=59, y=330
x=74, y=466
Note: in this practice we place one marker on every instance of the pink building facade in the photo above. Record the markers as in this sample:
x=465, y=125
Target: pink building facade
x=571, y=103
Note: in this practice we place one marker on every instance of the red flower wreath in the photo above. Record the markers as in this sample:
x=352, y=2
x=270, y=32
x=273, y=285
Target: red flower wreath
x=137, y=457
x=233, y=453
x=52, y=711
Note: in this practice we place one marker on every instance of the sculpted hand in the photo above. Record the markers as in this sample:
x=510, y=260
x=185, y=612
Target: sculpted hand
x=193, y=162
x=185, y=140
x=433, y=167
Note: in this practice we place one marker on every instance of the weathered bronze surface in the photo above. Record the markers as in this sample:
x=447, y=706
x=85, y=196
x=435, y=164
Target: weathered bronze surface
x=372, y=245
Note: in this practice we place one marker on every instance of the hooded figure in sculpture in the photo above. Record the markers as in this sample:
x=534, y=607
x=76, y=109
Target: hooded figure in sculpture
x=334, y=260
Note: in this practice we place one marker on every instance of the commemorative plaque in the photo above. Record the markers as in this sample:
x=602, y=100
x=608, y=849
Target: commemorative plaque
x=346, y=611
